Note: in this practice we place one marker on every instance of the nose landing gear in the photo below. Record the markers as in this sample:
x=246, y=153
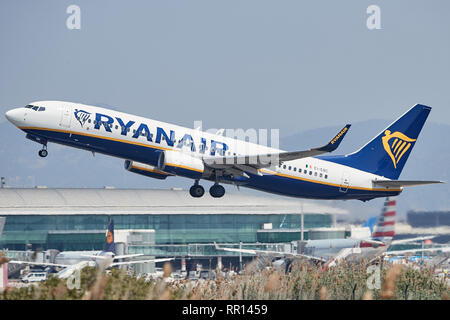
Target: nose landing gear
x=43, y=152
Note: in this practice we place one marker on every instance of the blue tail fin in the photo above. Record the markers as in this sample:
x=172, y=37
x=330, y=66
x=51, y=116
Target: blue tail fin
x=386, y=154
x=110, y=246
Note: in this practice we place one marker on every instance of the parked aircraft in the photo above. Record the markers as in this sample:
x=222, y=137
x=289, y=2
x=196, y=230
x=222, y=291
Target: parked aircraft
x=72, y=260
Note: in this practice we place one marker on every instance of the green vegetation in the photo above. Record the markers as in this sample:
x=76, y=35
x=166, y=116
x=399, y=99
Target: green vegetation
x=304, y=282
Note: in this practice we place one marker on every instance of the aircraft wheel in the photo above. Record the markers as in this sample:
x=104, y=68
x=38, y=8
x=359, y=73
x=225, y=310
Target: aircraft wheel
x=43, y=153
x=197, y=191
x=217, y=191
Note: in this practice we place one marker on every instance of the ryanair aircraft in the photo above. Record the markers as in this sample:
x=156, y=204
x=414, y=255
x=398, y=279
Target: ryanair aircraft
x=159, y=150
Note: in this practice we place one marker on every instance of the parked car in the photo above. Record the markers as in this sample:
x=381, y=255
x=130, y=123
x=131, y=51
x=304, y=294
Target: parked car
x=35, y=277
x=208, y=275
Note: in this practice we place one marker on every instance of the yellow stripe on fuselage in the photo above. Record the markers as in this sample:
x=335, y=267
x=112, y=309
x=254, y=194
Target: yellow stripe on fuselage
x=99, y=137
x=324, y=182
x=197, y=170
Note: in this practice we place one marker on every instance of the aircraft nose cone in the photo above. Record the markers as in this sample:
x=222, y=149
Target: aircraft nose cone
x=14, y=116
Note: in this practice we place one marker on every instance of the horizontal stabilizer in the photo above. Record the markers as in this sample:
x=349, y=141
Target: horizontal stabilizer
x=403, y=183
x=402, y=241
x=271, y=253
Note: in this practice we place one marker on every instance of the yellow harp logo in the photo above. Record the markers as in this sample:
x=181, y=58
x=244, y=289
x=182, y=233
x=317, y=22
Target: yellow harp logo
x=109, y=237
x=398, y=147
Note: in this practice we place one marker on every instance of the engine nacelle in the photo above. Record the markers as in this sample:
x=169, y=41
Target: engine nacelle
x=180, y=163
x=145, y=170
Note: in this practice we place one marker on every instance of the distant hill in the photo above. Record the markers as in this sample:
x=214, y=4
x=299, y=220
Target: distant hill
x=68, y=167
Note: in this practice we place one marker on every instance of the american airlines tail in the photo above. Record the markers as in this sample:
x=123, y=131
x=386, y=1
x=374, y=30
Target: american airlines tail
x=386, y=154
x=384, y=230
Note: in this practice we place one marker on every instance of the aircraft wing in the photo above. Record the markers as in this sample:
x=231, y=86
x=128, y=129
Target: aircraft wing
x=45, y=264
x=443, y=249
x=93, y=256
x=252, y=163
x=403, y=183
x=140, y=261
x=412, y=239
x=376, y=242
x=125, y=256
x=271, y=253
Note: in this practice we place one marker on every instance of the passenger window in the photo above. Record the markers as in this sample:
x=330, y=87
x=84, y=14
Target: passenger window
x=310, y=173
x=320, y=175
x=305, y=172
x=315, y=174
x=89, y=120
x=117, y=127
x=290, y=167
x=284, y=166
x=295, y=169
x=326, y=176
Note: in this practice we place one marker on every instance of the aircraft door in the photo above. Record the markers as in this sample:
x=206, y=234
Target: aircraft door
x=345, y=182
x=66, y=112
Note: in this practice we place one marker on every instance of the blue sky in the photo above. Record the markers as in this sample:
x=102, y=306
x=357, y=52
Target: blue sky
x=293, y=65
x=288, y=65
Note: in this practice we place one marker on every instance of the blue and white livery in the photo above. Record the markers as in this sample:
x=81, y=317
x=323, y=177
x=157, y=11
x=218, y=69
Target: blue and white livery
x=157, y=149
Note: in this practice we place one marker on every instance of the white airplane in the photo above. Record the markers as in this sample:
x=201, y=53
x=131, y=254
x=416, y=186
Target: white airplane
x=73, y=260
x=158, y=150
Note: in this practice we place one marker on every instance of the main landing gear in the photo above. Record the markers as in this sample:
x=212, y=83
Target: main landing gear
x=43, y=152
x=216, y=191
x=197, y=190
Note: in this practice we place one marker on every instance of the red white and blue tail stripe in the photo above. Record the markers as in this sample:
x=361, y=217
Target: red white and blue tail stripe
x=385, y=228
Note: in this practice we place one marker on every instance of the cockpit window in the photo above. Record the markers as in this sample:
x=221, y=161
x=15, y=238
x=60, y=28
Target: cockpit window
x=35, y=108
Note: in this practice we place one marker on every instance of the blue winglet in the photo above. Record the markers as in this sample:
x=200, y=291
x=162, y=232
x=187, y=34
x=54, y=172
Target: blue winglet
x=336, y=141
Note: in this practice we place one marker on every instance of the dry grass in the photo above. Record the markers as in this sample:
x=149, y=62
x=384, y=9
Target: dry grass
x=304, y=282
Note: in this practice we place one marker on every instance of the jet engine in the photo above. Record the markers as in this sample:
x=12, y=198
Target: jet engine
x=146, y=170
x=181, y=163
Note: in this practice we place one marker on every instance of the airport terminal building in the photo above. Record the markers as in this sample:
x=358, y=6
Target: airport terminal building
x=76, y=219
